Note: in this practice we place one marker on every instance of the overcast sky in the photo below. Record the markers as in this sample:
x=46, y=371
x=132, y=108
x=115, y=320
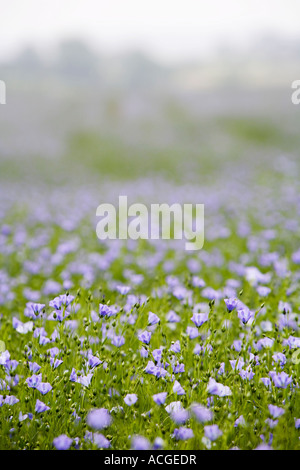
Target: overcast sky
x=170, y=29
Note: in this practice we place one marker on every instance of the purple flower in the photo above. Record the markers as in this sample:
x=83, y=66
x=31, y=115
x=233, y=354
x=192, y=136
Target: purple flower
x=153, y=319
x=180, y=416
x=158, y=443
x=197, y=349
x=85, y=380
x=201, y=413
x=34, y=380
x=231, y=303
x=266, y=381
x=99, y=418
x=44, y=387
x=173, y=406
x=53, y=351
x=157, y=371
x=58, y=315
x=215, y=388
x=10, y=400
x=105, y=310
x=177, y=388
x=247, y=374
x=157, y=354
x=32, y=309
x=281, y=380
x=237, y=364
x=192, y=332
x=62, y=442
x=44, y=340
x=140, y=443
x=198, y=282
x=263, y=291
x=264, y=343
x=145, y=337
x=237, y=344
x=25, y=416
x=160, y=398
x=271, y=423
x=240, y=421
x=100, y=441
x=296, y=257
x=130, y=399
x=175, y=347
x=279, y=357
x=4, y=358
x=150, y=368
x=199, y=318
x=178, y=368
x=172, y=317
x=210, y=293
x=55, y=362
x=160, y=371
x=263, y=447
x=123, y=289
x=40, y=407
x=62, y=300
x=212, y=432
x=276, y=411
x=73, y=375
x=144, y=352
x=118, y=341
x=293, y=342
x=244, y=315
x=20, y=327
x=254, y=276
x=11, y=365
x=183, y=434
x=93, y=361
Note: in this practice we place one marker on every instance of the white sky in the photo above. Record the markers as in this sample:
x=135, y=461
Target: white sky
x=170, y=29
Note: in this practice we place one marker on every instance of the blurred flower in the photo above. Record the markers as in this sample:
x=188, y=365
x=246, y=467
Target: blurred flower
x=240, y=421
x=175, y=347
x=183, y=434
x=276, y=411
x=160, y=398
x=153, y=319
x=177, y=388
x=99, y=418
x=100, y=441
x=201, y=413
x=130, y=399
x=180, y=416
x=212, y=432
x=140, y=443
x=215, y=388
x=62, y=442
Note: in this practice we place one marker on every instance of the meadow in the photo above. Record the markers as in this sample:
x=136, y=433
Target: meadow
x=122, y=344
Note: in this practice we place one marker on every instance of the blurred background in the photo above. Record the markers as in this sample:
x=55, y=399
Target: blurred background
x=123, y=90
